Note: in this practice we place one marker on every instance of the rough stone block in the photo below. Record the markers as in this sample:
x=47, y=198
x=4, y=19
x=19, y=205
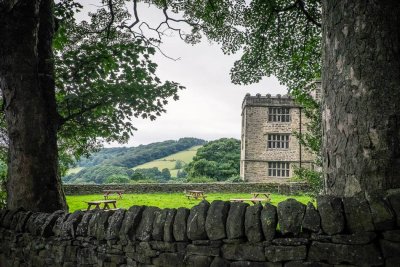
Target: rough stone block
x=252, y=223
x=22, y=220
x=130, y=223
x=3, y=213
x=169, y=260
x=390, y=249
x=83, y=226
x=255, y=264
x=290, y=216
x=8, y=218
x=180, y=224
x=331, y=211
x=307, y=264
x=290, y=241
x=235, y=220
x=269, y=221
x=115, y=224
x=243, y=252
x=68, y=228
x=360, y=255
x=216, y=219
x=169, y=226
x=311, y=220
x=39, y=224
x=285, y=253
x=198, y=261
x=383, y=216
x=394, y=200
x=158, y=224
x=196, y=221
x=163, y=246
x=355, y=239
x=393, y=235
x=358, y=214
x=202, y=250
x=219, y=262
x=145, y=228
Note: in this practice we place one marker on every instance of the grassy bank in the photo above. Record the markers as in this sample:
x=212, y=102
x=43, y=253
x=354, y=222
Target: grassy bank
x=164, y=200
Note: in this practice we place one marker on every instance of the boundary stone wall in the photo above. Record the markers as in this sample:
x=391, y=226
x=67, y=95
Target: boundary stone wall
x=354, y=231
x=282, y=188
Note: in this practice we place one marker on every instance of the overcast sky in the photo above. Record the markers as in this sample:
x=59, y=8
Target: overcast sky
x=210, y=106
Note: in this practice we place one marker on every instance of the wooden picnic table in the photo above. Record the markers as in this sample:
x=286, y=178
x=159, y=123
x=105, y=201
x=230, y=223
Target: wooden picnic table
x=196, y=194
x=117, y=191
x=256, y=194
x=106, y=203
x=254, y=200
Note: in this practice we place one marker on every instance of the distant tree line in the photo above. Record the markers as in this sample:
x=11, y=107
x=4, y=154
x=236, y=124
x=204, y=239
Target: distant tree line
x=133, y=156
x=217, y=160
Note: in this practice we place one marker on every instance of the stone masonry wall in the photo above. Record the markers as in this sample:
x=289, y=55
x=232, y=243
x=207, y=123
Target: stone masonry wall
x=356, y=231
x=292, y=188
x=255, y=129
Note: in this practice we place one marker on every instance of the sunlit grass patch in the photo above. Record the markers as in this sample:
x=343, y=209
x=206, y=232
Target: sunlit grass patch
x=168, y=200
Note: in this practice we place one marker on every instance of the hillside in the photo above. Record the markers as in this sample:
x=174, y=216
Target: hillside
x=169, y=162
x=121, y=160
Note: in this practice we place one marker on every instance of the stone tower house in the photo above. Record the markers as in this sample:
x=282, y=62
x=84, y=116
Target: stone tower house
x=269, y=150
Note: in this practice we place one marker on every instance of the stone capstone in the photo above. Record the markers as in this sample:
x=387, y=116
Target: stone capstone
x=394, y=200
x=115, y=224
x=69, y=226
x=180, y=224
x=83, y=226
x=290, y=216
x=235, y=220
x=130, y=223
x=252, y=223
x=196, y=221
x=383, y=216
x=158, y=224
x=331, y=211
x=216, y=219
x=358, y=214
x=169, y=226
x=311, y=220
x=269, y=221
x=145, y=228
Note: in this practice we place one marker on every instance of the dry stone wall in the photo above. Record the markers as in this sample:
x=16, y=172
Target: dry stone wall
x=282, y=188
x=356, y=231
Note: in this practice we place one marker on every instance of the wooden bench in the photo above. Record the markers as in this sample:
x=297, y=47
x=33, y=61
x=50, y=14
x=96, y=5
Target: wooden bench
x=254, y=200
x=108, y=192
x=265, y=194
x=106, y=204
x=196, y=194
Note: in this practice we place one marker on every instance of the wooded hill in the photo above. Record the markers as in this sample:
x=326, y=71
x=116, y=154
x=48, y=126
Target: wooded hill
x=120, y=160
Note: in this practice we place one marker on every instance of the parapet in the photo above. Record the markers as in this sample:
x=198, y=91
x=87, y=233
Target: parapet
x=268, y=100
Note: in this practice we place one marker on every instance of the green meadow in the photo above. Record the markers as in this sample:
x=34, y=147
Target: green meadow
x=169, y=162
x=168, y=200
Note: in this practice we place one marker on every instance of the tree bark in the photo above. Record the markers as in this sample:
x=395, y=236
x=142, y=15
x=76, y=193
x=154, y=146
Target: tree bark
x=27, y=84
x=361, y=91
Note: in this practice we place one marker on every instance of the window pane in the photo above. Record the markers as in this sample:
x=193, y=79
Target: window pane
x=274, y=172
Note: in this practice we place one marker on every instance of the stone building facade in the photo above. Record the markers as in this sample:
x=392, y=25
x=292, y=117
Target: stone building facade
x=269, y=149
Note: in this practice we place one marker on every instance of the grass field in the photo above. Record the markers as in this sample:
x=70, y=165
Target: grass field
x=164, y=200
x=74, y=170
x=169, y=161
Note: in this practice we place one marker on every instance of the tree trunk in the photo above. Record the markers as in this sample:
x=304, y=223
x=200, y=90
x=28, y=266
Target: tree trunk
x=361, y=89
x=27, y=84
